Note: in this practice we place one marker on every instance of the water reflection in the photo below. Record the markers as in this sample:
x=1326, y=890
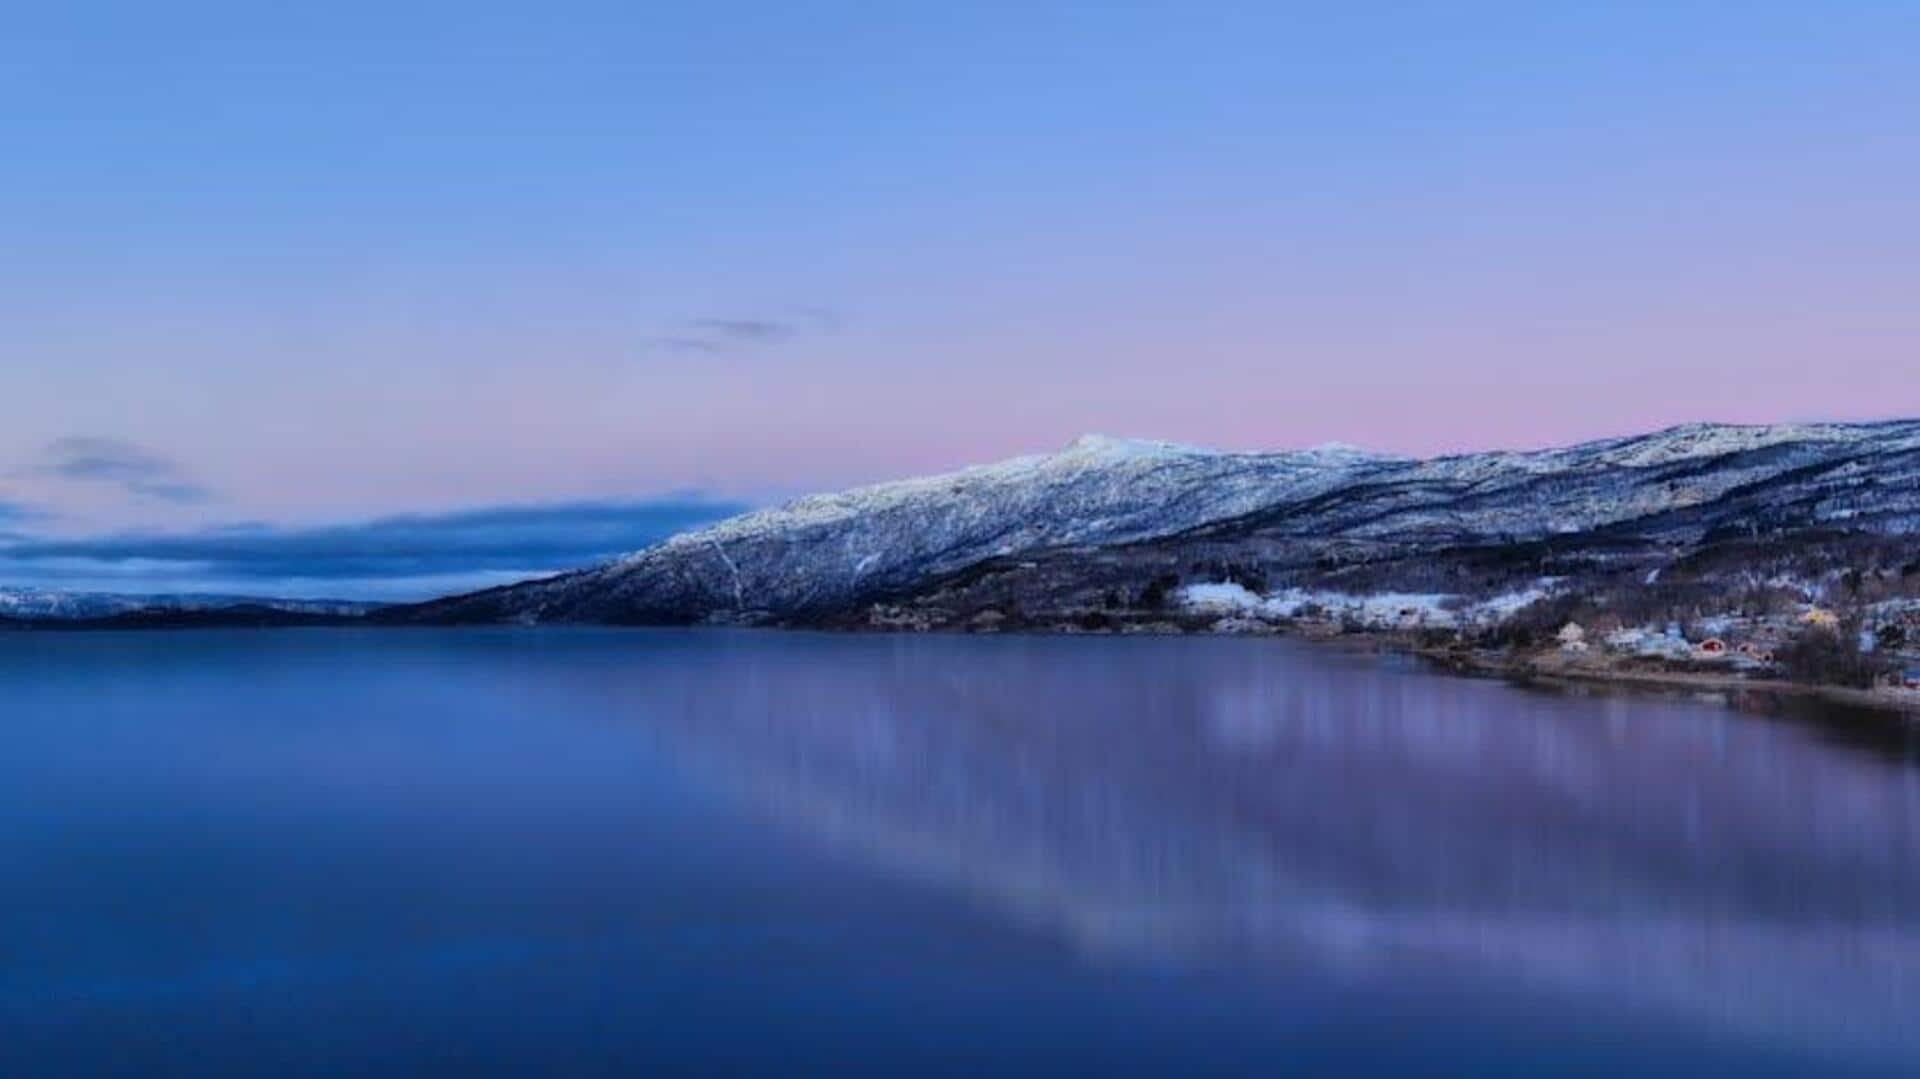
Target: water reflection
x=569, y=852
x=1254, y=804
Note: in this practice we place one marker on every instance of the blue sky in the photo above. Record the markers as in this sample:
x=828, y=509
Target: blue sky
x=298, y=267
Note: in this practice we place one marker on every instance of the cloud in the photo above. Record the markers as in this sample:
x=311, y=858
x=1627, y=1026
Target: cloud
x=412, y=556
x=684, y=346
x=131, y=467
x=713, y=335
x=745, y=329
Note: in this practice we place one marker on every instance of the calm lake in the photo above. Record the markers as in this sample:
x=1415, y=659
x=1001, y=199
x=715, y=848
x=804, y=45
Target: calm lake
x=577, y=852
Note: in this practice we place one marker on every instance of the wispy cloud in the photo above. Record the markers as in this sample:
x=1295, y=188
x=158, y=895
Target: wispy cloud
x=712, y=335
x=744, y=329
x=117, y=462
x=684, y=346
x=392, y=557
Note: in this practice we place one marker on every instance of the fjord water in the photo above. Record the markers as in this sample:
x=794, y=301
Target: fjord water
x=578, y=852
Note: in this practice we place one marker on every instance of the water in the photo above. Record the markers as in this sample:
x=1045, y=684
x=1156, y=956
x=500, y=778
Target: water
x=635, y=852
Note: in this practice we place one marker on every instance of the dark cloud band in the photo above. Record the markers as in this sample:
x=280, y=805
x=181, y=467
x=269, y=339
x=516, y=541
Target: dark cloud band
x=483, y=544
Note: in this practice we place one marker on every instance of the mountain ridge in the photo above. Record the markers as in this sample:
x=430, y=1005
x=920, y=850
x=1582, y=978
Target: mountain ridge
x=1123, y=513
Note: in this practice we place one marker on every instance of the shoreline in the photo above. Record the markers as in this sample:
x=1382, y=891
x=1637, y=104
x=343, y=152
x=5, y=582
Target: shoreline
x=1548, y=668
x=1539, y=669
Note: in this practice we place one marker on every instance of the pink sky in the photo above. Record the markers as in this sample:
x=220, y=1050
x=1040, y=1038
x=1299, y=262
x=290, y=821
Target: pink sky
x=327, y=275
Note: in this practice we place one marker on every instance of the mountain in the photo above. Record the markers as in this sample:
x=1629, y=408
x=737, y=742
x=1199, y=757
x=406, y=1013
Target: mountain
x=44, y=605
x=1106, y=528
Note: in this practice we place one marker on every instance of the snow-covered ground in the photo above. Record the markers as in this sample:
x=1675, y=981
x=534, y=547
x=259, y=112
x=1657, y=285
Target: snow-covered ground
x=1381, y=610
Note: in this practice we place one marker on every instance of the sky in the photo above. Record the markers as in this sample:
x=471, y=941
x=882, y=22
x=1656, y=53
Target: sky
x=300, y=272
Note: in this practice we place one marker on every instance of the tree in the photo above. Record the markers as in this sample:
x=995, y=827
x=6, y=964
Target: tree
x=1820, y=655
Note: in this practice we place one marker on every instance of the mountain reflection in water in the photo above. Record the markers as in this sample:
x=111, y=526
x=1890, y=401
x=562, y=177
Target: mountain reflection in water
x=635, y=852
x=1267, y=803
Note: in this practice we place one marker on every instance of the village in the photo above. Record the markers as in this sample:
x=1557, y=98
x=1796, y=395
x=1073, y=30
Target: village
x=1875, y=648
x=1755, y=644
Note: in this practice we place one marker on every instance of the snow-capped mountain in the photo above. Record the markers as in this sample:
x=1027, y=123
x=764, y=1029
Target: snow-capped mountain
x=1104, y=516
x=37, y=604
x=823, y=551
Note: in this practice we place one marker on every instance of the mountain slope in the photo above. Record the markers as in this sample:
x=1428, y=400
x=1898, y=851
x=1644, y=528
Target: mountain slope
x=821, y=553
x=1107, y=517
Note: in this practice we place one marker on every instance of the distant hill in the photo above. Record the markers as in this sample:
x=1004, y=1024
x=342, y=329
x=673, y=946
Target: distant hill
x=37, y=605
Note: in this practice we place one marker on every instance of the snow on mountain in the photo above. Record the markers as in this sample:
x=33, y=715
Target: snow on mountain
x=826, y=552
x=823, y=551
x=35, y=604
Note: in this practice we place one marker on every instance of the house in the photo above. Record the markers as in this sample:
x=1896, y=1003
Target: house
x=1820, y=617
x=1572, y=638
x=1650, y=643
x=1626, y=640
x=1668, y=645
